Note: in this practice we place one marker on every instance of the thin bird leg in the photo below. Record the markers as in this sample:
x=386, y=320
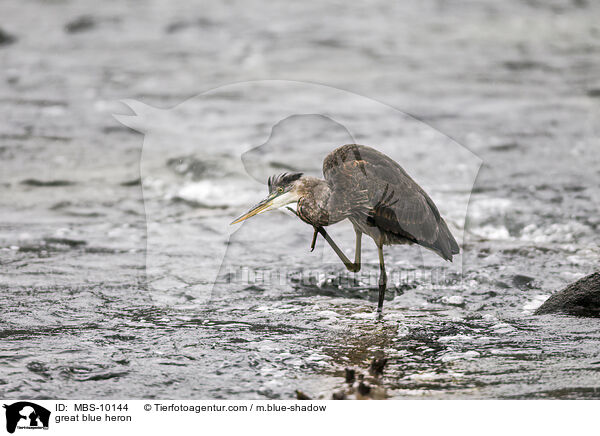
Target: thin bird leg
x=315, y=234
x=382, y=279
x=314, y=240
x=354, y=267
x=357, y=250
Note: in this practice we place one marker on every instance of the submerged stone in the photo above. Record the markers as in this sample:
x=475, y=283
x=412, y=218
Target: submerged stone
x=581, y=298
x=80, y=24
x=6, y=38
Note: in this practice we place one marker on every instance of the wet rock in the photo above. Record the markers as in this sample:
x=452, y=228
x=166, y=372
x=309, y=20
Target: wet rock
x=6, y=38
x=363, y=389
x=506, y=146
x=109, y=130
x=178, y=26
x=65, y=241
x=453, y=300
x=350, y=375
x=594, y=92
x=46, y=183
x=80, y=24
x=188, y=166
x=133, y=182
x=38, y=368
x=522, y=282
x=338, y=395
x=581, y=298
x=301, y=395
x=524, y=64
x=377, y=366
x=60, y=205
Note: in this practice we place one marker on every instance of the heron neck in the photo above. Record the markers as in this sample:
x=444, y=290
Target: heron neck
x=314, y=206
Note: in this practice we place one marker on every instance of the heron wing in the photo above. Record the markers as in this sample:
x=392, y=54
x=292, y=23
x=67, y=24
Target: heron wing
x=375, y=188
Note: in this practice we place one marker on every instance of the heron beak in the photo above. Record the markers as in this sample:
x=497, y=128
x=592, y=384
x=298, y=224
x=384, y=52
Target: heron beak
x=261, y=207
x=269, y=203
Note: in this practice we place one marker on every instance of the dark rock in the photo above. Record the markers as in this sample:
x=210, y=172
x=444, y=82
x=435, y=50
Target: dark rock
x=377, y=365
x=182, y=25
x=522, y=282
x=81, y=24
x=198, y=204
x=581, y=298
x=133, y=182
x=594, y=92
x=363, y=389
x=65, y=241
x=188, y=166
x=38, y=368
x=525, y=64
x=507, y=146
x=46, y=183
x=61, y=205
x=118, y=130
x=302, y=396
x=6, y=38
x=338, y=395
x=350, y=375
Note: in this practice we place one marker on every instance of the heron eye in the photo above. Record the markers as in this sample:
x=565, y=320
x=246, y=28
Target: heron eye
x=280, y=190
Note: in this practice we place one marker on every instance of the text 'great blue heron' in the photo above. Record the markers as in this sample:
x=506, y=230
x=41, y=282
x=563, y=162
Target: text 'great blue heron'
x=374, y=193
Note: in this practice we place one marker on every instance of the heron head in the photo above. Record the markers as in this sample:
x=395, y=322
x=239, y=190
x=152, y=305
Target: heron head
x=283, y=190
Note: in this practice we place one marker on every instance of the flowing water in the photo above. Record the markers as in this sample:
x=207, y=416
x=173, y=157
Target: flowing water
x=514, y=83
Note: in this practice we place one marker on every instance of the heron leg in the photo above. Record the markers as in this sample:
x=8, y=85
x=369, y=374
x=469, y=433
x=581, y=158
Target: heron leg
x=354, y=267
x=314, y=240
x=357, y=250
x=382, y=279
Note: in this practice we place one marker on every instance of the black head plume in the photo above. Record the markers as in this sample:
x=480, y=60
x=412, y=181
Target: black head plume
x=284, y=180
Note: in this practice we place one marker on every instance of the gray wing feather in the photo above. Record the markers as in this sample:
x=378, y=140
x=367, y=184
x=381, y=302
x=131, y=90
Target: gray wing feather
x=370, y=185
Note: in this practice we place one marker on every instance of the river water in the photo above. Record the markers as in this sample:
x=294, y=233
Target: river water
x=111, y=239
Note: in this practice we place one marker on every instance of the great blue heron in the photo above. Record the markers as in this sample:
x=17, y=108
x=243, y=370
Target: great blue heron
x=374, y=193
